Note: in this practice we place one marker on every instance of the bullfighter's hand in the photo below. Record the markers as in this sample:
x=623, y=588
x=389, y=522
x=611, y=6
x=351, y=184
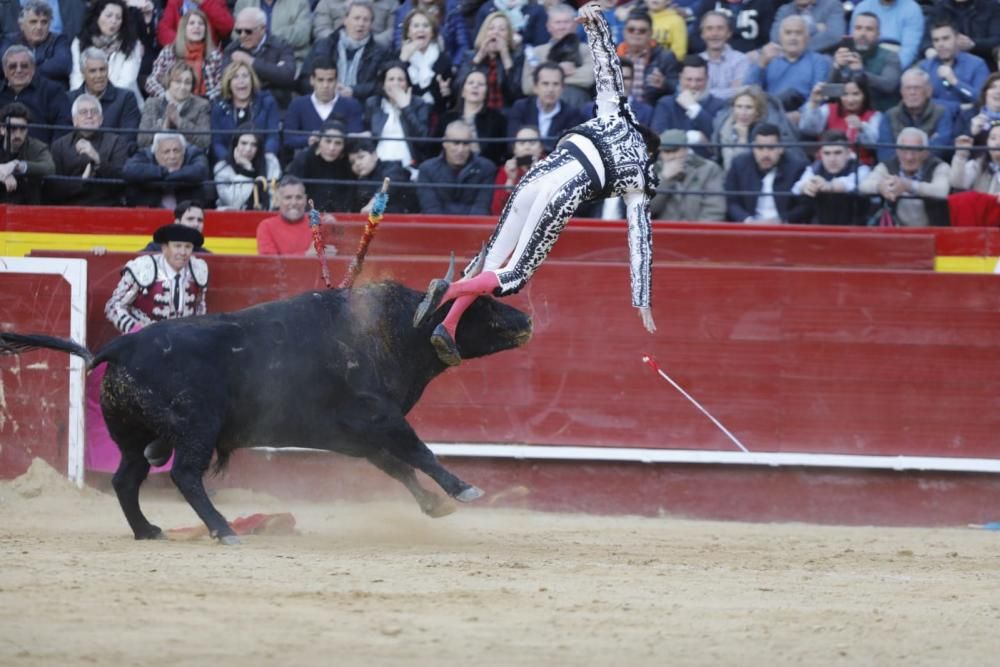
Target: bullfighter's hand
x=646, y=313
x=589, y=12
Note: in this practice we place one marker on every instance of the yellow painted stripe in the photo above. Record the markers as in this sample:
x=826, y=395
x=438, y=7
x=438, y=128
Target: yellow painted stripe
x=958, y=264
x=19, y=244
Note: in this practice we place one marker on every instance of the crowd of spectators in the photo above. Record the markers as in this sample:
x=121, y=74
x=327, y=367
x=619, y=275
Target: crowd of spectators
x=768, y=111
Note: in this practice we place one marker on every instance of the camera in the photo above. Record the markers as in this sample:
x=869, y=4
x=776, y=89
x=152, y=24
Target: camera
x=848, y=43
x=524, y=160
x=832, y=90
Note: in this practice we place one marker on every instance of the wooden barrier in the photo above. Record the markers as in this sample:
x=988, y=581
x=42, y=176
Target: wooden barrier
x=810, y=360
x=794, y=360
x=34, y=390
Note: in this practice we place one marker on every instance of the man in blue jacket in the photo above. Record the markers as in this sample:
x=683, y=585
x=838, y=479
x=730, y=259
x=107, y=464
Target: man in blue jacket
x=977, y=22
x=51, y=50
x=67, y=16
x=767, y=174
x=307, y=113
x=789, y=70
x=544, y=109
x=47, y=101
x=692, y=109
x=956, y=76
x=119, y=109
x=457, y=166
x=168, y=172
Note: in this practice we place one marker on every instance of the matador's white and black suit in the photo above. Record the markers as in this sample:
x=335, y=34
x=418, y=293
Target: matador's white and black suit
x=607, y=156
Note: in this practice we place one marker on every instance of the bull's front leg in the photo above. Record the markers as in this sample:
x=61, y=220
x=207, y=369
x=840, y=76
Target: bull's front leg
x=380, y=425
x=430, y=503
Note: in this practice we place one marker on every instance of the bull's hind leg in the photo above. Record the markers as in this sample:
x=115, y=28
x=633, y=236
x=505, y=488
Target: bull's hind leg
x=132, y=471
x=430, y=503
x=192, y=457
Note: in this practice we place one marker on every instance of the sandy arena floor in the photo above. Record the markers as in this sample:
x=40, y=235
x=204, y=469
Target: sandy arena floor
x=379, y=584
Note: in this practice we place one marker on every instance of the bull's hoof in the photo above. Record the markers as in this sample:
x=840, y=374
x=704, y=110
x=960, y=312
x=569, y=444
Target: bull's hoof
x=151, y=533
x=229, y=540
x=470, y=494
x=435, y=292
x=445, y=346
x=439, y=508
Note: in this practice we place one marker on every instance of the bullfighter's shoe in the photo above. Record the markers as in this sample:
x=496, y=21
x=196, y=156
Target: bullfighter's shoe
x=435, y=292
x=445, y=346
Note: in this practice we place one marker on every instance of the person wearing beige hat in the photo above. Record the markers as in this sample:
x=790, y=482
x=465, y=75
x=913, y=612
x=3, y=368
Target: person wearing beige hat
x=681, y=170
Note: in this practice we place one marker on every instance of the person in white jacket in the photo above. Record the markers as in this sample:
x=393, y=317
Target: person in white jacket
x=243, y=180
x=109, y=27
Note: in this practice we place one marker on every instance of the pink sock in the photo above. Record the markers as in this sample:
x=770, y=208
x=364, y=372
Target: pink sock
x=455, y=314
x=484, y=283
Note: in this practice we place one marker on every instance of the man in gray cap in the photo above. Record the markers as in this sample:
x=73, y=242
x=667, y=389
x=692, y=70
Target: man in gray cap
x=681, y=170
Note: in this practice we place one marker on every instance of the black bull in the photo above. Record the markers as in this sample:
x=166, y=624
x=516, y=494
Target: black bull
x=336, y=370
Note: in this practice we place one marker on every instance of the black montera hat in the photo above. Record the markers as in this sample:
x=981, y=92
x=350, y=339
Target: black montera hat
x=182, y=233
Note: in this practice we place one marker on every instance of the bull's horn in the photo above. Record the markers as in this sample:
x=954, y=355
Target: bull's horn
x=451, y=269
x=476, y=267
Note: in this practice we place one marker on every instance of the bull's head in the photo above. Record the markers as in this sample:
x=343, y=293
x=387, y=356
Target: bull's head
x=490, y=326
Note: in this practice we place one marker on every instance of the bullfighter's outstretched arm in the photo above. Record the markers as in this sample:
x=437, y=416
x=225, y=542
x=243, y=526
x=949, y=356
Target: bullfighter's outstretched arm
x=607, y=69
x=640, y=248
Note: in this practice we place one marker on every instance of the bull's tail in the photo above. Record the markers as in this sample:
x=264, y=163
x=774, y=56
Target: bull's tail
x=14, y=343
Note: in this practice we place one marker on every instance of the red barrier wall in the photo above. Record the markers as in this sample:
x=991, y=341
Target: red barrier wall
x=34, y=390
x=792, y=360
x=807, y=359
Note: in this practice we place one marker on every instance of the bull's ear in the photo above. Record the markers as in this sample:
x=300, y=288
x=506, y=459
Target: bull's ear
x=448, y=277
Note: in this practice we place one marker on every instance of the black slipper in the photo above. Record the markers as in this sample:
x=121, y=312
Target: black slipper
x=435, y=292
x=445, y=346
